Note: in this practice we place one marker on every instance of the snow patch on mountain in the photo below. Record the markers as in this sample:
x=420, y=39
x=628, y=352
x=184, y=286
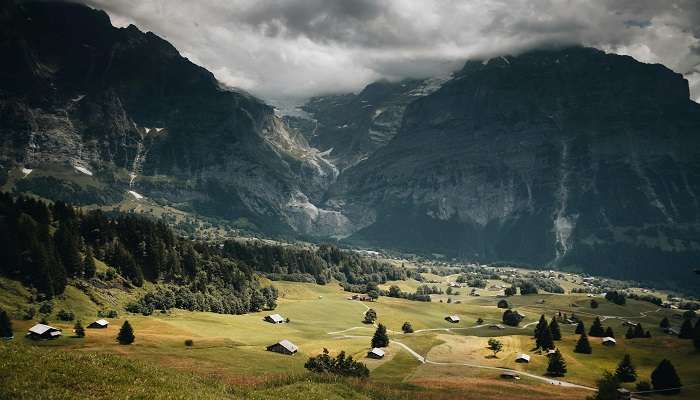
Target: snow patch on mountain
x=137, y=196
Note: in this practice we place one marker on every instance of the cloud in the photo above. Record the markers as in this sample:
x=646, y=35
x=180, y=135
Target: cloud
x=298, y=48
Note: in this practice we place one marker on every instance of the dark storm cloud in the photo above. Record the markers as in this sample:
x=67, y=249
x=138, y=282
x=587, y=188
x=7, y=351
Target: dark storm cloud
x=298, y=48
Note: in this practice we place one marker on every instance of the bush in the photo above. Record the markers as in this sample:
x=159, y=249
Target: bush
x=189, y=342
x=340, y=365
x=46, y=307
x=64, y=315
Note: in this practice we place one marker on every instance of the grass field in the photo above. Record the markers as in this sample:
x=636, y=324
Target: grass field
x=228, y=359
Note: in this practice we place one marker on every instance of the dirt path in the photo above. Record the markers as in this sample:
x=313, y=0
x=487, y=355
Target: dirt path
x=424, y=360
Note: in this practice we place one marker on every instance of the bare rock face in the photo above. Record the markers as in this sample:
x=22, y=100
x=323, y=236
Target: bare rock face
x=566, y=157
x=350, y=127
x=124, y=107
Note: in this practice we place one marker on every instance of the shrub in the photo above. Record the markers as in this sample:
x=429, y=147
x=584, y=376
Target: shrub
x=340, y=365
x=189, y=342
x=64, y=315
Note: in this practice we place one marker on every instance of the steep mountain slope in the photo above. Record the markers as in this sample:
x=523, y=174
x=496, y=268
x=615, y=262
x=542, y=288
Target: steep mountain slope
x=350, y=127
x=569, y=157
x=123, y=110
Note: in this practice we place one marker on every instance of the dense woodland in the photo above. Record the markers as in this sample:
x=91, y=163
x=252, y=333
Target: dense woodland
x=319, y=265
x=46, y=245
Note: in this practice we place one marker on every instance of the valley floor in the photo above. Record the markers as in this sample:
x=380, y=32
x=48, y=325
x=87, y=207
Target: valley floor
x=228, y=359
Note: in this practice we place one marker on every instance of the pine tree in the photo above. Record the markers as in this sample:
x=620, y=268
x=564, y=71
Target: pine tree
x=67, y=239
x=630, y=333
x=596, y=329
x=557, y=365
x=545, y=340
x=540, y=326
x=665, y=323
x=686, y=330
x=79, y=330
x=696, y=335
x=665, y=377
x=580, y=328
x=5, y=325
x=639, y=331
x=380, y=338
x=89, y=268
x=126, y=334
x=625, y=370
x=607, y=387
x=583, y=346
x=554, y=328
x=609, y=332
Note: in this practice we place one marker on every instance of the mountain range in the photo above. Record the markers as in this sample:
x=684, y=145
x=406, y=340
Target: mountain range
x=566, y=157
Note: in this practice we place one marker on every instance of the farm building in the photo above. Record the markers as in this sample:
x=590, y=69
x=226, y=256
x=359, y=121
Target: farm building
x=99, y=324
x=41, y=331
x=550, y=352
x=522, y=358
x=671, y=331
x=283, y=347
x=361, y=297
x=376, y=353
x=275, y=319
x=510, y=375
x=609, y=341
x=623, y=394
x=452, y=318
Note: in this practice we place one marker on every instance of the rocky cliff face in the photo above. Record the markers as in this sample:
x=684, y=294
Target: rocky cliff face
x=124, y=108
x=350, y=127
x=570, y=157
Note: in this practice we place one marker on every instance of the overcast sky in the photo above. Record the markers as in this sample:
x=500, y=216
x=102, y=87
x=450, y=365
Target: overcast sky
x=299, y=48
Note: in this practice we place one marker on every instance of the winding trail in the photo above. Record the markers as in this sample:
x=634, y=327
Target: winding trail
x=424, y=360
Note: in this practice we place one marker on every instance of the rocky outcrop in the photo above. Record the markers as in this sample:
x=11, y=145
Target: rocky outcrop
x=566, y=157
x=124, y=107
x=350, y=127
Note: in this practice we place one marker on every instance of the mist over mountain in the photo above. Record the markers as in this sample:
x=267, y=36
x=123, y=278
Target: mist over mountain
x=566, y=157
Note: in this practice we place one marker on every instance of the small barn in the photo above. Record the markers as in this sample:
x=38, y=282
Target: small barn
x=609, y=341
x=376, y=353
x=283, y=347
x=361, y=297
x=41, y=331
x=522, y=358
x=275, y=319
x=452, y=318
x=510, y=375
x=99, y=324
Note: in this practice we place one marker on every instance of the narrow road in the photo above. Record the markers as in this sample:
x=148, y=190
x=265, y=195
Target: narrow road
x=424, y=360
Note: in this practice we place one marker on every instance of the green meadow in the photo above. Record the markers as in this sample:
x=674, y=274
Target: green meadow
x=229, y=360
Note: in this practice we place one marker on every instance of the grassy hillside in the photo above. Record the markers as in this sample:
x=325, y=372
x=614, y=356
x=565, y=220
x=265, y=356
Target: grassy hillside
x=229, y=357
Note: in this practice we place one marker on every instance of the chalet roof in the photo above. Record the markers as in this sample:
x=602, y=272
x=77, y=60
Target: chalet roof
x=101, y=322
x=453, y=317
x=510, y=374
x=377, y=351
x=276, y=318
x=288, y=345
x=40, y=329
x=609, y=339
x=523, y=356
